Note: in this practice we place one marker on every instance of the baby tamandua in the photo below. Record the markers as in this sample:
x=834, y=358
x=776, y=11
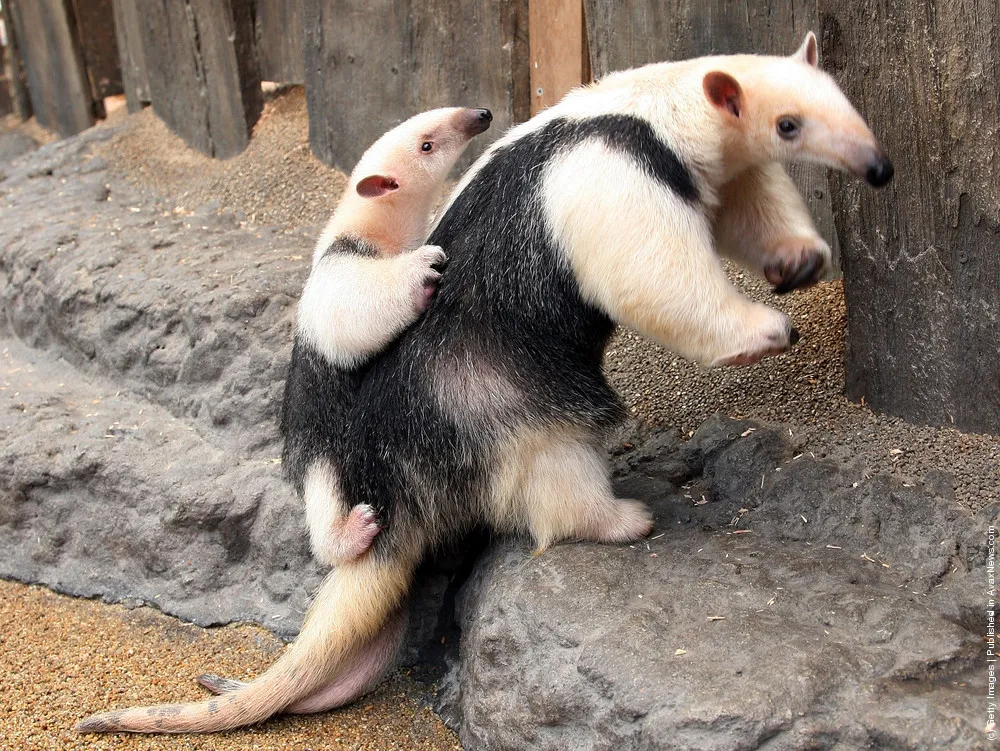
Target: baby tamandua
x=371, y=278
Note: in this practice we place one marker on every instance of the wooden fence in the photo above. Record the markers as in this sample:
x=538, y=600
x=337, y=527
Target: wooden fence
x=927, y=77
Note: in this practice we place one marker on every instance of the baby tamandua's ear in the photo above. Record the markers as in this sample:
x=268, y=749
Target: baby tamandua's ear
x=724, y=92
x=808, y=53
x=374, y=186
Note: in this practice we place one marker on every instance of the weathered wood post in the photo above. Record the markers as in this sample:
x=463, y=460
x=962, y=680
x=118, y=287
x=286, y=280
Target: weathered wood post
x=54, y=67
x=128, y=31
x=372, y=64
x=921, y=258
x=624, y=35
x=15, y=68
x=278, y=32
x=201, y=68
x=95, y=30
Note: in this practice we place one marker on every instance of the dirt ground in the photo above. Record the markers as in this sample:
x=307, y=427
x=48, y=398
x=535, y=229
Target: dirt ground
x=63, y=658
x=277, y=180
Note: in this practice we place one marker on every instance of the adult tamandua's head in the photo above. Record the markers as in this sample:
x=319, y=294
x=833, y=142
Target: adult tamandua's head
x=398, y=180
x=773, y=111
x=787, y=110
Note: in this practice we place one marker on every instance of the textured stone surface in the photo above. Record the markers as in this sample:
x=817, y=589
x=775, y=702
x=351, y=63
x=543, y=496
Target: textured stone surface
x=145, y=357
x=804, y=613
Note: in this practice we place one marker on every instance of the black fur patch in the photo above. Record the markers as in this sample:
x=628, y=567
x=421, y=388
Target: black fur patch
x=318, y=395
x=351, y=245
x=508, y=301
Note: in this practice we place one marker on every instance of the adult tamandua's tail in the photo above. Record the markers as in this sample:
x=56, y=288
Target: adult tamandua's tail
x=357, y=605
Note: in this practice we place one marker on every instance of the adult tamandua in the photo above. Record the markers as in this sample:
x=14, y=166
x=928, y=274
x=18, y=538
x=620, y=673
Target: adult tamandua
x=371, y=278
x=606, y=208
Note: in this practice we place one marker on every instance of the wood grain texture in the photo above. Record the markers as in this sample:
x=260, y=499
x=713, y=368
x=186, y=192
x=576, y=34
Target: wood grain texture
x=128, y=32
x=922, y=257
x=370, y=65
x=53, y=64
x=201, y=65
x=625, y=35
x=278, y=27
x=95, y=28
x=558, y=60
x=20, y=98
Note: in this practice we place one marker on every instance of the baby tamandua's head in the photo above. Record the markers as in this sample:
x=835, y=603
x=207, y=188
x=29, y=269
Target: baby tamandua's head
x=399, y=179
x=785, y=109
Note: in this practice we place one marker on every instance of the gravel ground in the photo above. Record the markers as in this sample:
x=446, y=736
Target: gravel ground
x=63, y=658
x=803, y=389
x=278, y=181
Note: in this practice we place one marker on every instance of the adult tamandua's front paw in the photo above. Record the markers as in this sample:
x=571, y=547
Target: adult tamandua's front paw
x=423, y=274
x=767, y=332
x=797, y=262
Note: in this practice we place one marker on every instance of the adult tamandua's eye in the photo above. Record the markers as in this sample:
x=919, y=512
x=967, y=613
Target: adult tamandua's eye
x=427, y=147
x=788, y=127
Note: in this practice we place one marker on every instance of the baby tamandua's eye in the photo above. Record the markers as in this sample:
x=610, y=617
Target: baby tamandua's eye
x=788, y=127
x=427, y=147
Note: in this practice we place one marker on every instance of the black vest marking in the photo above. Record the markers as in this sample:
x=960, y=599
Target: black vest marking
x=635, y=138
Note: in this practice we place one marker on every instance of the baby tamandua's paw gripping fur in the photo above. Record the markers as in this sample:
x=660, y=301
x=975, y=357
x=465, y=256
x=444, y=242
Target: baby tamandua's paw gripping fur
x=349, y=537
x=426, y=264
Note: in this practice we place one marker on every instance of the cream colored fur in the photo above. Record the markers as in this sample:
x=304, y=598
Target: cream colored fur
x=647, y=257
x=552, y=482
x=353, y=306
x=350, y=611
x=762, y=217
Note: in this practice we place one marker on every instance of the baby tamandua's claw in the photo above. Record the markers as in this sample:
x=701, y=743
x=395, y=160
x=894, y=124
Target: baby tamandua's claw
x=425, y=270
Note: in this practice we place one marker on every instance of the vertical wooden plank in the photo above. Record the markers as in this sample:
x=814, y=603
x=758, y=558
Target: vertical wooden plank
x=202, y=69
x=921, y=260
x=174, y=70
x=557, y=56
x=53, y=65
x=135, y=81
x=624, y=35
x=95, y=29
x=15, y=67
x=232, y=77
x=426, y=55
x=279, y=40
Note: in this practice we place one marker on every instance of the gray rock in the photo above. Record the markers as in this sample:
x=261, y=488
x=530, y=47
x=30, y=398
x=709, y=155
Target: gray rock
x=103, y=494
x=15, y=143
x=809, y=613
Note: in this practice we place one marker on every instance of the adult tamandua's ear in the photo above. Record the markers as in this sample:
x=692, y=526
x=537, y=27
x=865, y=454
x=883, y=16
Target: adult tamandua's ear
x=724, y=92
x=808, y=53
x=374, y=186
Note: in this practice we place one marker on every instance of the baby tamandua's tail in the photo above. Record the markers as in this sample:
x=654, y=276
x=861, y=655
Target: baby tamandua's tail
x=349, y=636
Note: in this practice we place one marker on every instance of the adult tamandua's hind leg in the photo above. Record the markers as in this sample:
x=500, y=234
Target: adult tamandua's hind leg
x=763, y=223
x=648, y=260
x=556, y=482
x=358, y=675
